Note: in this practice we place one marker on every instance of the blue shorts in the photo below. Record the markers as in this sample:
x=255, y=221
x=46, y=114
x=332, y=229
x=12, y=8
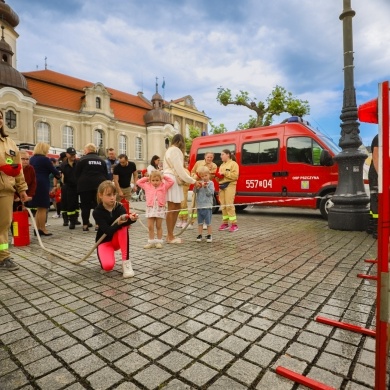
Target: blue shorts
x=204, y=216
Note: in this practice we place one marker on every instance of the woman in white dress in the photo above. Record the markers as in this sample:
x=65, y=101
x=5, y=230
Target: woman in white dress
x=173, y=165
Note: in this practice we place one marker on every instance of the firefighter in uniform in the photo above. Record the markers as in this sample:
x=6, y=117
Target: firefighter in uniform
x=11, y=179
x=373, y=182
x=227, y=176
x=70, y=198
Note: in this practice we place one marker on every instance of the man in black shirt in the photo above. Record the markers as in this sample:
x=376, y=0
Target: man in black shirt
x=122, y=176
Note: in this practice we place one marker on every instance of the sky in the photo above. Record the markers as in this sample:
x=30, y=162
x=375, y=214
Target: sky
x=200, y=45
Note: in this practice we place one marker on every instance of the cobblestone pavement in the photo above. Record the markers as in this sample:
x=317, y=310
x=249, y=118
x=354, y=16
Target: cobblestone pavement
x=220, y=315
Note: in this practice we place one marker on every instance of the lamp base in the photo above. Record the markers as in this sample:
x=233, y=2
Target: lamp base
x=348, y=218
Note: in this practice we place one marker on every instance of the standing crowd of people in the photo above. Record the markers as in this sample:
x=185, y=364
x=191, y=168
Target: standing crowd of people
x=92, y=183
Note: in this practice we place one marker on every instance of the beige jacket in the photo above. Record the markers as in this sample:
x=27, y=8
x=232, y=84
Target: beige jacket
x=231, y=171
x=10, y=152
x=173, y=164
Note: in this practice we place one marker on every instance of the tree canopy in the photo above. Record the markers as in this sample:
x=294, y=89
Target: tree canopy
x=220, y=129
x=278, y=102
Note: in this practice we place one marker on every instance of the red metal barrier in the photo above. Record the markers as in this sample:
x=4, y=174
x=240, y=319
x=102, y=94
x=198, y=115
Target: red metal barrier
x=346, y=326
x=303, y=380
x=365, y=276
x=381, y=333
x=382, y=310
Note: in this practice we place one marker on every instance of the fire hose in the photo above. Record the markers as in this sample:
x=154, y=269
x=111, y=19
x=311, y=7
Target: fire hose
x=63, y=257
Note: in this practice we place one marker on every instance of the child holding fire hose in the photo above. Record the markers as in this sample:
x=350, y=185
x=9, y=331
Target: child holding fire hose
x=105, y=214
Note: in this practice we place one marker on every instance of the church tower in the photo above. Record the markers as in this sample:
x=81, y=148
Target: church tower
x=15, y=98
x=158, y=127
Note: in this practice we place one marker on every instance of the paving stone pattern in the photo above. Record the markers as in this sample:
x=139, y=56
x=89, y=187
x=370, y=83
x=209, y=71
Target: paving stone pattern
x=220, y=315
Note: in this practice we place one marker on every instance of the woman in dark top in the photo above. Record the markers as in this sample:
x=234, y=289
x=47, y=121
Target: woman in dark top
x=41, y=200
x=154, y=164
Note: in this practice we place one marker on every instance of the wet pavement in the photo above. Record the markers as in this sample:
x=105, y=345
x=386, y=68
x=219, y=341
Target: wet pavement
x=220, y=315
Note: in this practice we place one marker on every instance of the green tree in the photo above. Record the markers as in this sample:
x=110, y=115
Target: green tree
x=196, y=132
x=220, y=129
x=193, y=132
x=277, y=102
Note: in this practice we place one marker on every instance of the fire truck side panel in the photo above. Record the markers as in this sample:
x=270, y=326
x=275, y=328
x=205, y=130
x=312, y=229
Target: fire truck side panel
x=279, y=164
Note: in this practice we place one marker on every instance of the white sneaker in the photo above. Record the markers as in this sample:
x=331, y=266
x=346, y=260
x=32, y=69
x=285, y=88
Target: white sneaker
x=127, y=269
x=204, y=226
x=47, y=224
x=159, y=245
x=179, y=224
x=149, y=245
x=190, y=226
x=56, y=216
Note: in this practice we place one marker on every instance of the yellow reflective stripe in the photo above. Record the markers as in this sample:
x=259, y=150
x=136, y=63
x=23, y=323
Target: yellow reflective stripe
x=232, y=219
x=4, y=247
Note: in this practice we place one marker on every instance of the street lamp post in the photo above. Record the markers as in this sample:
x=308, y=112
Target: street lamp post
x=350, y=209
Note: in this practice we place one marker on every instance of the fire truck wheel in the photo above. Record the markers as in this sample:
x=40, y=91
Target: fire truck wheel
x=325, y=204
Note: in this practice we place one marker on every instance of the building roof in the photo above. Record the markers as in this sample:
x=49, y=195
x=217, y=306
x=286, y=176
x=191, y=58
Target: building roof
x=61, y=91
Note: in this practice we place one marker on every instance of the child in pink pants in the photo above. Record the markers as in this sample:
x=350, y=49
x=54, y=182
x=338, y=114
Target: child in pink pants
x=105, y=214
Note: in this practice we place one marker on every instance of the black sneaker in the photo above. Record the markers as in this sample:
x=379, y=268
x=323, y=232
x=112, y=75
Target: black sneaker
x=199, y=238
x=8, y=265
x=85, y=230
x=209, y=238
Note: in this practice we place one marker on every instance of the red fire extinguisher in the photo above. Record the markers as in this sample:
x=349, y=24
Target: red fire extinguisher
x=126, y=205
x=20, y=228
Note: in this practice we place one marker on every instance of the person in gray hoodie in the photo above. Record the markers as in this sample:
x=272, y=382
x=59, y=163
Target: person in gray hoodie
x=204, y=203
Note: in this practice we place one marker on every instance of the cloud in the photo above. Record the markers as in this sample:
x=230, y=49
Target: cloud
x=199, y=46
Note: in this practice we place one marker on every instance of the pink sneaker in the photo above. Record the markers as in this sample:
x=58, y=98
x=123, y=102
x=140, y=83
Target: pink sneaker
x=224, y=226
x=233, y=228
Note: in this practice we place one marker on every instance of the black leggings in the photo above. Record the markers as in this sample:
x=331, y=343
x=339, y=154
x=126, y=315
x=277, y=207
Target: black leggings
x=88, y=202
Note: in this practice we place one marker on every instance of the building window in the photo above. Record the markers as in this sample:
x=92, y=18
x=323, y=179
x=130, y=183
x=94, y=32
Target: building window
x=122, y=144
x=43, y=132
x=98, y=140
x=67, y=137
x=10, y=119
x=138, y=148
x=98, y=103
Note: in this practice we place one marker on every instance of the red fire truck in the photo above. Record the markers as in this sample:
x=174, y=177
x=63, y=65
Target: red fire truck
x=288, y=164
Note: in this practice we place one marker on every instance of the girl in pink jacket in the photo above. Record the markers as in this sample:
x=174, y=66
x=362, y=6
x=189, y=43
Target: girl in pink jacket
x=155, y=190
